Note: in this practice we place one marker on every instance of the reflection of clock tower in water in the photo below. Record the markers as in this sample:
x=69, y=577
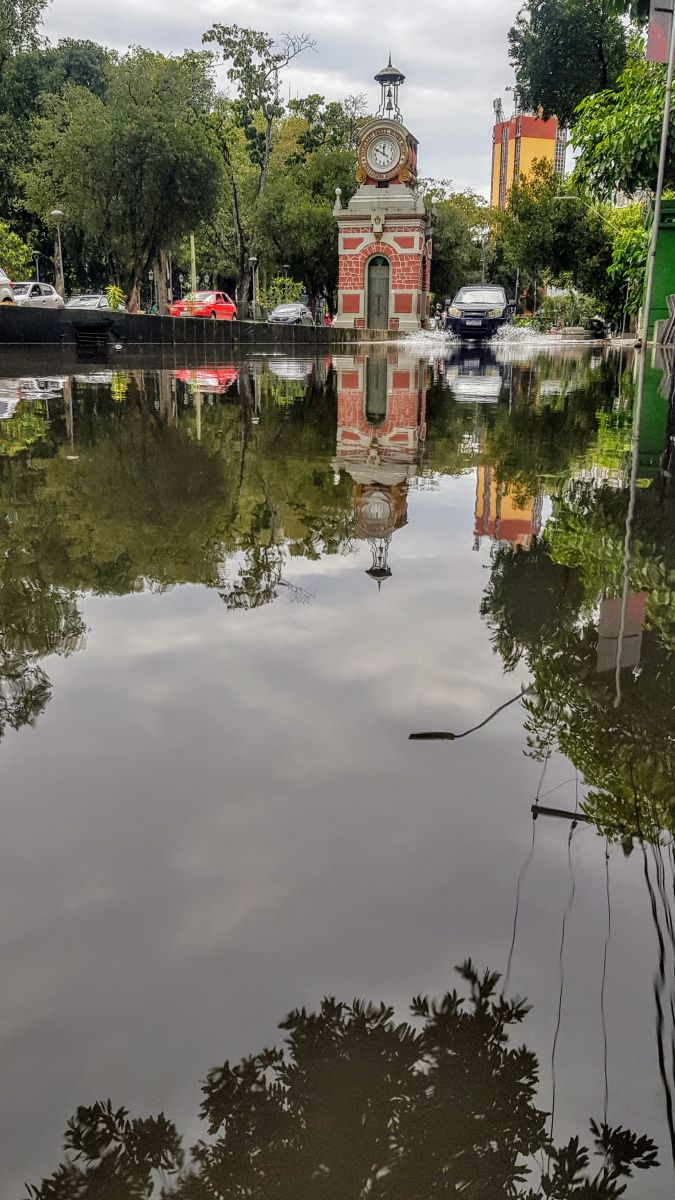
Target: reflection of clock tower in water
x=381, y=430
x=384, y=231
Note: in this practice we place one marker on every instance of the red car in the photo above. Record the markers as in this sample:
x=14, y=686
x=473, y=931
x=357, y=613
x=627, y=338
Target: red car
x=216, y=305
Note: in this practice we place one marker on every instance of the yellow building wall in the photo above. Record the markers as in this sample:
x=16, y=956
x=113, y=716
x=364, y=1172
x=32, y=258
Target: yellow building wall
x=496, y=171
x=533, y=149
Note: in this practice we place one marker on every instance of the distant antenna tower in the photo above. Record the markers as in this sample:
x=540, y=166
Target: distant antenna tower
x=499, y=110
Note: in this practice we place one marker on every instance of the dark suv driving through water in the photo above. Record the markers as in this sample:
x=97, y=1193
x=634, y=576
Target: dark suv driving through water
x=479, y=311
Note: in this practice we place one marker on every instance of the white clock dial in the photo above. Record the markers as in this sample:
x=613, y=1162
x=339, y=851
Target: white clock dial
x=383, y=153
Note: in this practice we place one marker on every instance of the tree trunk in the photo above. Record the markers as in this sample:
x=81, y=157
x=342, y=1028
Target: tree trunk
x=161, y=282
x=134, y=302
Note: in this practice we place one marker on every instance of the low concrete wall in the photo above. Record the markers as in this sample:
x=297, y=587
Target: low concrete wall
x=35, y=327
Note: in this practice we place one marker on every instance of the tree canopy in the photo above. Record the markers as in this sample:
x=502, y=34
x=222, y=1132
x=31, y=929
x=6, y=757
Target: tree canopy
x=147, y=137
x=565, y=50
x=618, y=132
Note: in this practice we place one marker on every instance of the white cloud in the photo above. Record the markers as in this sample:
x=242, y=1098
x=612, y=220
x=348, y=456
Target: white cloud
x=454, y=55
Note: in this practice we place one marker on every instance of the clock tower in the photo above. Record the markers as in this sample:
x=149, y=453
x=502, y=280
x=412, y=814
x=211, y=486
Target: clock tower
x=384, y=233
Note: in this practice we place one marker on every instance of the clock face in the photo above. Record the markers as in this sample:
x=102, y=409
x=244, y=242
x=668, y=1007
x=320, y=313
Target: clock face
x=383, y=153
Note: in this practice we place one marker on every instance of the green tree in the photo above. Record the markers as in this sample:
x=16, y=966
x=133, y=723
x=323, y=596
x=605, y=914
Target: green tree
x=564, y=50
x=296, y=220
x=134, y=170
x=332, y=126
x=597, y=249
x=15, y=255
x=617, y=133
x=243, y=128
x=460, y=219
x=20, y=21
x=356, y=1103
x=27, y=78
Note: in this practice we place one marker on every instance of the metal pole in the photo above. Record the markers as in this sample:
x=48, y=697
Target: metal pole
x=62, y=288
x=642, y=362
x=193, y=264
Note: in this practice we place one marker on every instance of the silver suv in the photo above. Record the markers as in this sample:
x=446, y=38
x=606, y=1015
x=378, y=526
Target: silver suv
x=6, y=293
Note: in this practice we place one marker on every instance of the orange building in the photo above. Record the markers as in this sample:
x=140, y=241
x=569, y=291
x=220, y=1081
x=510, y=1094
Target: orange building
x=517, y=144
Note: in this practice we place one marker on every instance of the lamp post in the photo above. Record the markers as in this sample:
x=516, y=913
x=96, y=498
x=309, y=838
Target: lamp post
x=57, y=216
x=36, y=256
x=151, y=276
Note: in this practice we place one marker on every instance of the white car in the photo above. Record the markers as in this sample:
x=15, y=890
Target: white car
x=36, y=295
x=6, y=293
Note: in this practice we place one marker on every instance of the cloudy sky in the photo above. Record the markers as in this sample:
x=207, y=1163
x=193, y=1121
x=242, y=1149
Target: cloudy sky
x=453, y=52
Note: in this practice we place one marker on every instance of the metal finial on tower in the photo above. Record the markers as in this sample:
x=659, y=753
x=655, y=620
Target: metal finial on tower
x=390, y=80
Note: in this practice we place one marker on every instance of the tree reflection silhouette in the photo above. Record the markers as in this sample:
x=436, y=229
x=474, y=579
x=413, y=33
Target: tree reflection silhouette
x=542, y=609
x=356, y=1105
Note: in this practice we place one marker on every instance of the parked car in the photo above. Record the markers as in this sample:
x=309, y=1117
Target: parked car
x=216, y=305
x=479, y=311
x=36, y=295
x=89, y=300
x=291, y=314
x=6, y=293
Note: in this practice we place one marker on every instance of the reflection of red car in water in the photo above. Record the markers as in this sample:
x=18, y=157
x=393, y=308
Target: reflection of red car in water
x=216, y=305
x=216, y=380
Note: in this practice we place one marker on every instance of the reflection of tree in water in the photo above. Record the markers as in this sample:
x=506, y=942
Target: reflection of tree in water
x=542, y=608
x=36, y=619
x=356, y=1105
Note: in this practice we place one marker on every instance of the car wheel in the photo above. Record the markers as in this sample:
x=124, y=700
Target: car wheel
x=8, y=301
x=214, y=316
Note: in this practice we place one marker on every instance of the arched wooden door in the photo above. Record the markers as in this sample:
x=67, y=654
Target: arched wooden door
x=378, y=293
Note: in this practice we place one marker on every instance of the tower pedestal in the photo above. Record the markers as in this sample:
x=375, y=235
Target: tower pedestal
x=384, y=258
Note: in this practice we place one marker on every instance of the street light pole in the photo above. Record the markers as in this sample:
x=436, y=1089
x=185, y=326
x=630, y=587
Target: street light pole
x=36, y=256
x=59, y=276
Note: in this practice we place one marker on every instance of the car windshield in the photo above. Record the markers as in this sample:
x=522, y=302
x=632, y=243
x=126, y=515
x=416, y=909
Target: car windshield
x=205, y=297
x=287, y=307
x=84, y=302
x=3, y=278
x=20, y=289
x=480, y=295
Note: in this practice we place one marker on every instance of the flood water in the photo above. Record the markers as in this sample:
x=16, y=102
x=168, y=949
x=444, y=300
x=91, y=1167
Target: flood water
x=228, y=594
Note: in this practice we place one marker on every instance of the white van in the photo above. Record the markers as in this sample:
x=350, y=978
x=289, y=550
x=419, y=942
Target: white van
x=6, y=293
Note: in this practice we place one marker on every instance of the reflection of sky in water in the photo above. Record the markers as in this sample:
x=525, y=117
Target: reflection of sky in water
x=218, y=817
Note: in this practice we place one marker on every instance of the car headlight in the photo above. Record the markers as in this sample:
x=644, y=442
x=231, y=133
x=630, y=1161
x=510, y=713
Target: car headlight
x=454, y=312
x=496, y=312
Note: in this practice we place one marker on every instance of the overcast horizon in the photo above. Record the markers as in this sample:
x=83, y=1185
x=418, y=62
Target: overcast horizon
x=455, y=59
